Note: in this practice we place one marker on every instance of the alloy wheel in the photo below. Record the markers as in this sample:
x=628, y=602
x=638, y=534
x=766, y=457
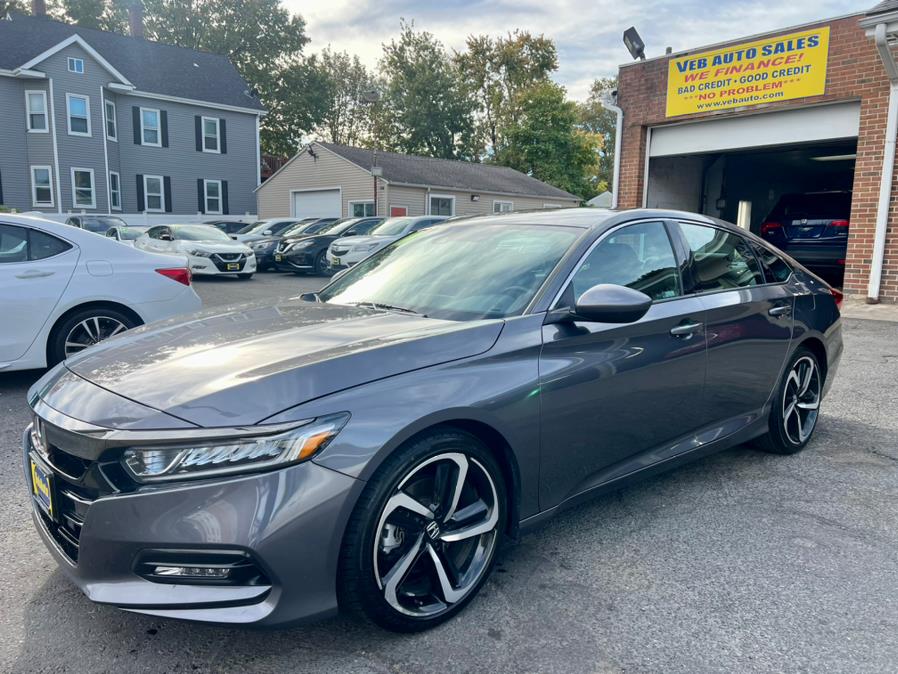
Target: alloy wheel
x=436, y=535
x=801, y=400
x=91, y=331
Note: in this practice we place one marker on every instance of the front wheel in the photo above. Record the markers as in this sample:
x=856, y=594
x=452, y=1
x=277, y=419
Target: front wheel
x=423, y=537
x=796, y=406
x=321, y=266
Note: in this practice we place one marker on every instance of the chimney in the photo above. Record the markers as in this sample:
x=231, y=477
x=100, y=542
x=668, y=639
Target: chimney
x=39, y=7
x=135, y=18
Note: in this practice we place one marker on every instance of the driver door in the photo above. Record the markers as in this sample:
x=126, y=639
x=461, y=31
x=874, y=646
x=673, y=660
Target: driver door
x=614, y=397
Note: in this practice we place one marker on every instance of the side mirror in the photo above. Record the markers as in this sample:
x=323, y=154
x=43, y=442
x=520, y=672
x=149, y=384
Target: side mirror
x=267, y=232
x=607, y=303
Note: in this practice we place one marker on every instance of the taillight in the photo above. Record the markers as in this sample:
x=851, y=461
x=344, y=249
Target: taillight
x=768, y=227
x=841, y=227
x=179, y=274
x=837, y=296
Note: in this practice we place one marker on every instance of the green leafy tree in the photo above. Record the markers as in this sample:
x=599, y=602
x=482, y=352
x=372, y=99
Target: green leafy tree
x=547, y=143
x=597, y=120
x=100, y=14
x=495, y=70
x=345, y=116
x=430, y=113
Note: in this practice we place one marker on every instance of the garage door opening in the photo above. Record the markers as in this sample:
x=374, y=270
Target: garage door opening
x=316, y=203
x=753, y=187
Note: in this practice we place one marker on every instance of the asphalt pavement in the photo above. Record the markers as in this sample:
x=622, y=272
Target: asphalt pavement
x=739, y=562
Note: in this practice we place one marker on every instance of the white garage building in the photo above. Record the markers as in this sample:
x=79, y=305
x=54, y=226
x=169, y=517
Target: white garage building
x=328, y=180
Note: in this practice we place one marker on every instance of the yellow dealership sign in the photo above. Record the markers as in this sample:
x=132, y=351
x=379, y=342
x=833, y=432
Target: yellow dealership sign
x=766, y=71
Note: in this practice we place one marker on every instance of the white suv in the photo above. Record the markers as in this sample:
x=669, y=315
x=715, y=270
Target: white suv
x=63, y=289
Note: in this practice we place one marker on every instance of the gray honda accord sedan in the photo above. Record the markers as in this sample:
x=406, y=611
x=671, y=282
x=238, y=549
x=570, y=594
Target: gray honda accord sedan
x=370, y=446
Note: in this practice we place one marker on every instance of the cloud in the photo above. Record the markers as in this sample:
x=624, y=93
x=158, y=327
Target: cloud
x=587, y=33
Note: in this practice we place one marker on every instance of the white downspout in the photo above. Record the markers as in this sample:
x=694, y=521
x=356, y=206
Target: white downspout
x=609, y=105
x=888, y=166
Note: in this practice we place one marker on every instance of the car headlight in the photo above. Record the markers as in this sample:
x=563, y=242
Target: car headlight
x=301, y=244
x=186, y=462
x=364, y=248
x=199, y=252
x=263, y=245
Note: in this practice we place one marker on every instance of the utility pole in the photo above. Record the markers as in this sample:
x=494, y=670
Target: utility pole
x=372, y=97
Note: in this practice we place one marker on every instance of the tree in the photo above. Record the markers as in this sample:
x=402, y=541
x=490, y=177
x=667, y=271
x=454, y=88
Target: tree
x=345, y=116
x=430, y=112
x=595, y=119
x=99, y=14
x=495, y=71
x=546, y=142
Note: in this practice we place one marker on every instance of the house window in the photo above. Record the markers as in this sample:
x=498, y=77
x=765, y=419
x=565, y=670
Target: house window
x=36, y=108
x=153, y=194
x=211, y=135
x=79, y=114
x=361, y=209
x=212, y=195
x=111, y=123
x=76, y=65
x=503, y=206
x=442, y=205
x=41, y=186
x=83, y=193
x=115, y=191
x=149, y=127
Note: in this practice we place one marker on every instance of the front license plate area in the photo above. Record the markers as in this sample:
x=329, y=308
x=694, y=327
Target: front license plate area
x=42, y=488
x=278, y=258
x=233, y=266
x=336, y=262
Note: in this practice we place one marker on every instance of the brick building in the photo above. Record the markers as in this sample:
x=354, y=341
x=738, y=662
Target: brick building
x=729, y=129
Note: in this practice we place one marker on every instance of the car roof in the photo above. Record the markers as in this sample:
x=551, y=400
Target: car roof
x=584, y=217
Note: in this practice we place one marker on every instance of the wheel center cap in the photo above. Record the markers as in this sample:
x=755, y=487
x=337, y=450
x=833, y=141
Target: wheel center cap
x=432, y=530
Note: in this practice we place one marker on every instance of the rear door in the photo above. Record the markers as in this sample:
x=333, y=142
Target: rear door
x=35, y=269
x=610, y=392
x=749, y=322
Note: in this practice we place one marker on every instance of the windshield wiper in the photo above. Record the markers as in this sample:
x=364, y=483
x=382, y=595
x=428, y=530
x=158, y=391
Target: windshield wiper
x=390, y=307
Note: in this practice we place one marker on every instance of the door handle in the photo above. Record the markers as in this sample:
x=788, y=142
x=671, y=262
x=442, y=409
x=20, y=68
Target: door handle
x=781, y=310
x=34, y=273
x=685, y=329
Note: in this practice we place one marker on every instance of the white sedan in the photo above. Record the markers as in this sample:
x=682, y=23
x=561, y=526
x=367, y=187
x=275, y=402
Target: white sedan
x=63, y=289
x=349, y=251
x=209, y=251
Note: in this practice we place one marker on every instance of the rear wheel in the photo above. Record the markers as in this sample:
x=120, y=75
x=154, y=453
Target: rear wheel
x=796, y=406
x=85, y=328
x=423, y=537
x=321, y=266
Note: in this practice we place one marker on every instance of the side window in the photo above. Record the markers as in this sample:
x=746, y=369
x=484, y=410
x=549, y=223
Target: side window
x=638, y=256
x=44, y=245
x=721, y=260
x=154, y=232
x=13, y=244
x=776, y=270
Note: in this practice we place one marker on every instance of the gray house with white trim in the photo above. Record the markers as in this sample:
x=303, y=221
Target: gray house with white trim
x=329, y=180
x=98, y=122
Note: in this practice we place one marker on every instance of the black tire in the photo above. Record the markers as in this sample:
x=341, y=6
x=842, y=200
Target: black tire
x=63, y=331
x=792, y=398
x=358, y=587
x=321, y=266
x=244, y=277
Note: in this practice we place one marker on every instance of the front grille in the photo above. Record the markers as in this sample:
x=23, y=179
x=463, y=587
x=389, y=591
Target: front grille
x=77, y=483
x=229, y=257
x=282, y=246
x=222, y=260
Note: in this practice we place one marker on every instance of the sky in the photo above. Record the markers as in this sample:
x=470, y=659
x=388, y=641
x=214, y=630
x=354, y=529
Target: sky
x=587, y=33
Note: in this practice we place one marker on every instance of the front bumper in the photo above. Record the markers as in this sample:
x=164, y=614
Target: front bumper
x=213, y=266
x=294, y=261
x=290, y=521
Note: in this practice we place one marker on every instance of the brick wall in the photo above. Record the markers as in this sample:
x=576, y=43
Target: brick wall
x=855, y=72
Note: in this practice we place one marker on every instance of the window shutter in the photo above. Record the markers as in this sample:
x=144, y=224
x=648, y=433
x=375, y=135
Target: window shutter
x=200, y=194
x=224, y=197
x=166, y=186
x=198, y=129
x=163, y=127
x=141, y=204
x=135, y=122
x=223, y=132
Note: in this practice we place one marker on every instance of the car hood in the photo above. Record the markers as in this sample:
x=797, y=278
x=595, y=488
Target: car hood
x=362, y=240
x=214, y=246
x=242, y=365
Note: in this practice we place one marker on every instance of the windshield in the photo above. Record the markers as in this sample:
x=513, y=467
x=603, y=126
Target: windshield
x=102, y=223
x=363, y=227
x=199, y=233
x=130, y=233
x=464, y=272
x=299, y=228
x=393, y=227
x=259, y=225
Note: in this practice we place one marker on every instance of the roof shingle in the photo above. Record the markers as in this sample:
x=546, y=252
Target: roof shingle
x=152, y=67
x=883, y=7
x=462, y=175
